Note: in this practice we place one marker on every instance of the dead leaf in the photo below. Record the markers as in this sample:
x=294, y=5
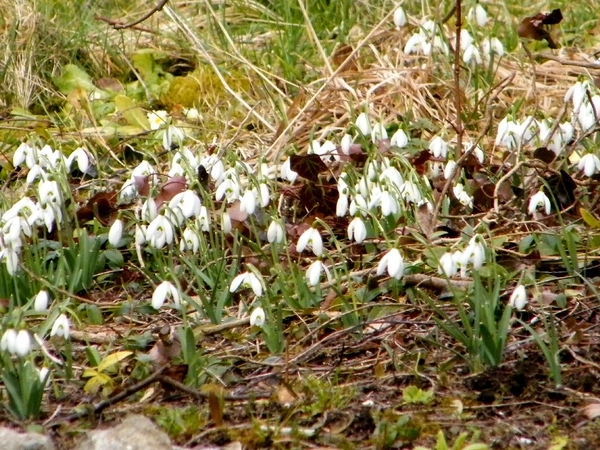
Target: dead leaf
x=532, y=27
x=216, y=402
x=102, y=206
x=545, y=155
x=592, y=410
x=308, y=166
x=170, y=189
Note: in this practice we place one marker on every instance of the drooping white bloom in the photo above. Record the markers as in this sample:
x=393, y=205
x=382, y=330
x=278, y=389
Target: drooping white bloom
x=286, y=171
x=491, y=47
x=358, y=205
x=22, y=343
x=311, y=238
x=393, y=178
x=140, y=234
x=466, y=40
x=393, y=262
x=189, y=241
x=275, y=232
x=478, y=15
x=21, y=154
x=248, y=202
x=411, y=192
x=159, y=232
x=539, y=200
x=449, y=169
x=389, y=204
x=341, y=207
x=187, y=203
x=8, y=341
x=363, y=124
x=400, y=17
x=204, y=219
x=518, y=298
x=226, y=225
x=61, y=327
x=448, y=266
x=157, y=119
x=43, y=374
x=163, y=291
x=145, y=169
x=172, y=137
x=82, y=157
x=589, y=163
x=247, y=280
x=192, y=114
x=472, y=55
x=475, y=252
x=115, y=233
x=438, y=147
x=49, y=193
x=577, y=93
x=378, y=132
x=229, y=188
x=462, y=196
x=399, y=138
x=357, y=230
x=41, y=301
x=257, y=318
x=263, y=195
x=313, y=273
x=346, y=143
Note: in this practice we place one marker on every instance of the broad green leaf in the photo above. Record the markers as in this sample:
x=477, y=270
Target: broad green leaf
x=113, y=359
x=132, y=112
x=73, y=78
x=476, y=447
x=589, y=218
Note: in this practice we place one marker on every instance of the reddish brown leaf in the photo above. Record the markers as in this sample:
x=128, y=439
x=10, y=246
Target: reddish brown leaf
x=142, y=185
x=532, y=27
x=101, y=206
x=170, y=189
x=545, y=155
x=419, y=162
x=308, y=166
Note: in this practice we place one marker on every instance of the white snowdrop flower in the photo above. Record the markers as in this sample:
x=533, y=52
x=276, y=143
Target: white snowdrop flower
x=164, y=291
x=478, y=15
x=415, y=44
x=192, y=114
x=342, y=185
x=518, y=298
x=411, y=192
x=49, y=193
x=313, y=273
x=214, y=166
x=311, y=238
x=539, y=200
x=438, y=147
x=577, y=93
x=187, y=202
x=346, y=143
x=586, y=118
x=115, y=233
x=275, y=232
x=204, y=219
x=400, y=18
x=439, y=44
x=378, y=133
x=189, y=241
x=159, y=232
x=286, y=171
x=341, y=207
x=462, y=196
x=389, y=204
x=479, y=155
x=82, y=157
x=393, y=178
x=230, y=189
x=492, y=47
x=149, y=211
x=357, y=230
x=128, y=191
x=363, y=124
x=8, y=341
x=328, y=148
x=589, y=163
x=43, y=374
x=36, y=172
x=41, y=301
x=21, y=153
x=226, y=223
x=399, y=139
x=448, y=266
x=157, y=119
x=140, y=234
x=144, y=169
x=247, y=280
x=472, y=55
x=314, y=147
x=263, y=195
x=358, y=205
x=449, y=169
x=248, y=202
x=475, y=251
x=22, y=343
x=257, y=317
x=61, y=327
x=50, y=159
x=393, y=262
x=466, y=40
x=566, y=131
x=172, y=137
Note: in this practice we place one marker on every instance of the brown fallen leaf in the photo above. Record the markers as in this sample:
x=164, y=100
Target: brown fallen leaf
x=592, y=410
x=532, y=27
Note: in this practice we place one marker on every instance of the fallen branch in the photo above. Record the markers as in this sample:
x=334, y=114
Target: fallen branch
x=117, y=25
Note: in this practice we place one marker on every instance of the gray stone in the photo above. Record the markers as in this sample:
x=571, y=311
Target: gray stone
x=13, y=440
x=134, y=433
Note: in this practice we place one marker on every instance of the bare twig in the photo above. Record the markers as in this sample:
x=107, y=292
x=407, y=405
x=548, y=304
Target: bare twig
x=117, y=25
x=569, y=62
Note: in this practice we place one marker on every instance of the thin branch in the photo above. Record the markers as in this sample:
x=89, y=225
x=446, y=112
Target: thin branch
x=120, y=26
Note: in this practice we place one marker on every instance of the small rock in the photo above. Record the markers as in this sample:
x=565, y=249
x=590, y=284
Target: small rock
x=134, y=433
x=13, y=440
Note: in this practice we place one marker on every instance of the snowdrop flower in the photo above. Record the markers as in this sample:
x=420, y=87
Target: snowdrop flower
x=144, y=169
x=448, y=266
x=357, y=230
x=539, y=200
x=400, y=17
x=186, y=203
x=518, y=298
x=204, y=219
x=346, y=144
x=157, y=119
x=341, y=207
x=49, y=193
x=399, y=139
x=115, y=233
x=247, y=280
x=472, y=55
x=311, y=238
x=462, y=196
x=263, y=195
x=313, y=273
x=159, y=232
x=163, y=291
x=466, y=40
x=479, y=155
x=411, y=193
x=393, y=262
x=149, y=210
x=226, y=223
x=287, y=173
x=392, y=177
x=449, y=169
x=475, y=252
x=416, y=44
x=589, y=163
x=61, y=327
x=438, y=147
x=492, y=47
x=230, y=189
x=21, y=154
x=128, y=191
x=140, y=234
x=43, y=374
x=8, y=341
x=358, y=205
x=257, y=318
x=189, y=241
x=22, y=343
x=41, y=301
x=389, y=204
x=363, y=124
x=248, y=202
x=192, y=114
x=378, y=133
x=275, y=232
x=478, y=15
x=82, y=157
x=577, y=93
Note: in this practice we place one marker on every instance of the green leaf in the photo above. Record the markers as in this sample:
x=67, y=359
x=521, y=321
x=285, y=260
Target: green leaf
x=113, y=359
x=412, y=394
x=589, y=218
x=134, y=115
x=73, y=78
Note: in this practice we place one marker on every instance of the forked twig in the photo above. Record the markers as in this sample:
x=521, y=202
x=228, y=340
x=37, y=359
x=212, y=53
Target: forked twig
x=120, y=26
